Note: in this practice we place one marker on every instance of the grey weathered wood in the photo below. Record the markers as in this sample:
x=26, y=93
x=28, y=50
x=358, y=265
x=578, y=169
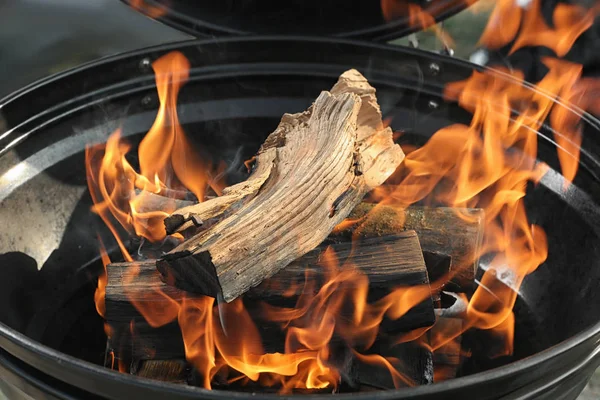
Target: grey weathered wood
x=322, y=163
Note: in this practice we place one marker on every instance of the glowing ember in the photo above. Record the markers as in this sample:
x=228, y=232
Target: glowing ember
x=487, y=164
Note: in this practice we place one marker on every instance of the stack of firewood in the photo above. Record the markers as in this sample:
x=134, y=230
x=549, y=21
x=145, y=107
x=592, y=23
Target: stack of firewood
x=303, y=196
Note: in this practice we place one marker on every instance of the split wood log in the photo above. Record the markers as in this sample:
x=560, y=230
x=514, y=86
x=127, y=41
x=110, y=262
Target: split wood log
x=457, y=232
x=413, y=365
x=149, y=201
x=449, y=242
x=388, y=262
x=309, y=175
x=430, y=223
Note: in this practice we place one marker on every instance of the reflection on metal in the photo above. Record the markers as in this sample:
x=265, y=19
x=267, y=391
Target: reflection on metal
x=54, y=35
x=43, y=204
x=434, y=68
x=413, y=40
x=15, y=173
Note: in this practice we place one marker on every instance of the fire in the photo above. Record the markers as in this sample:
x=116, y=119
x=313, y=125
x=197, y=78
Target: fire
x=417, y=16
x=569, y=22
x=167, y=161
x=102, y=280
x=230, y=338
x=153, y=11
x=487, y=164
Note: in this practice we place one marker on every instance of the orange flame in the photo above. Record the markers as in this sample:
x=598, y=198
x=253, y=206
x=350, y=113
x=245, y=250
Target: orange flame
x=231, y=339
x=153, y=11
x=569, y=22
x=417, y=17
x=100, y=292
x=167, y=161
x=487, y=164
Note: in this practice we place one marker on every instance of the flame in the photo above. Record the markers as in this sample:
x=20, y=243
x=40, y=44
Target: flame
x=487, y=164
x=418, y=17
x=153, y=11
x=100, y=292
x=167, y=161
x=229, y=338
x=527, y=26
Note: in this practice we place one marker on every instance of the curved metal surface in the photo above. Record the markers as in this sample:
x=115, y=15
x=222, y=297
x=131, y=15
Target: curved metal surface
x=554, y=373
x=335, y=18
x=42, y=37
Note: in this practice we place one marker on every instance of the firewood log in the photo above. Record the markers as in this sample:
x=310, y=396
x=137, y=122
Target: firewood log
x=309, y=175
x=166, y=361
x=447, y=359
x=431, y=223
x=388, y=262
x=449, y=242
x=174, y=371
x=457, y=232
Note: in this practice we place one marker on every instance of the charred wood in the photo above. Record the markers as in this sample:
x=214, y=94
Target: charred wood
x=457, y=232
x=174, y=371
x=389, y=262
x=447, y=358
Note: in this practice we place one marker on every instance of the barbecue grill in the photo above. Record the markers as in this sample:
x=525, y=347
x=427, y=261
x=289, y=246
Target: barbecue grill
x=52, y=343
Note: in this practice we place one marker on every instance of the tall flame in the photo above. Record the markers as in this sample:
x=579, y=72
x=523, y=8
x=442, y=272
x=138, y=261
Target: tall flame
x=569, y=21
x=487, y=164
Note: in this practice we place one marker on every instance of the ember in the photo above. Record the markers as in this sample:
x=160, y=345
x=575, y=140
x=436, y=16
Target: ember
x=317, y=320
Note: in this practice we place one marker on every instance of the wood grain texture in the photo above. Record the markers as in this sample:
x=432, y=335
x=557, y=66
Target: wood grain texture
x=324, y=161
x=388, y=262
x=174, y=371
x=457, y=232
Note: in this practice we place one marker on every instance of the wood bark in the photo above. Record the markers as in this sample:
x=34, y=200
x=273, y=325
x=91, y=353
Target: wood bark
x=310, y=173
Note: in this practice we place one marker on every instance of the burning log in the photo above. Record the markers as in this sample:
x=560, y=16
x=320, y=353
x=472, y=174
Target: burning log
x=457, y=232
x=444, y=250
x=413, y=363
x=438, y=267
x=447, y=358
x=166, y=362
x=388, y=262
x=309, y=175
x=137, y=340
